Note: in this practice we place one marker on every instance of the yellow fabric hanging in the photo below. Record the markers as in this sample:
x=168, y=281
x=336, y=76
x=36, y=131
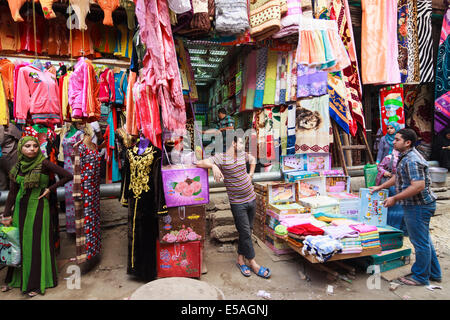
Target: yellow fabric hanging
x=4, y=110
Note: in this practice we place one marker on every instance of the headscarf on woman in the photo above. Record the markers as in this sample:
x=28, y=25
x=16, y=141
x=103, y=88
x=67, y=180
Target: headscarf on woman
x=29, y=167
x=390, y=137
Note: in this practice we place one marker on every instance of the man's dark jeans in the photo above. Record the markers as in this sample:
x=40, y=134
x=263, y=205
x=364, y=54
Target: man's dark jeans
x=243, y=215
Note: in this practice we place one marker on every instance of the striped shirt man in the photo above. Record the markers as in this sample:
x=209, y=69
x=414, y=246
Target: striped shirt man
x=235, y=177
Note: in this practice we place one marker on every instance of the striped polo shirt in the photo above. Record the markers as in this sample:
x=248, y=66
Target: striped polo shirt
x=235, y=177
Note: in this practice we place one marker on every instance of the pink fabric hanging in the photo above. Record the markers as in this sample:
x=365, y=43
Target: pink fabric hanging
x=160, y=69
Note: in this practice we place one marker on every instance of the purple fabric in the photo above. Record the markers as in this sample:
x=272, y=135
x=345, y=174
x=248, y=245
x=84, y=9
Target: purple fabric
x=311, y=82
x=442, y=113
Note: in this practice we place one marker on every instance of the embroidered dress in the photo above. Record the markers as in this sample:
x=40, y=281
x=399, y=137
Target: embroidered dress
x=68, y=188
x=142, y=192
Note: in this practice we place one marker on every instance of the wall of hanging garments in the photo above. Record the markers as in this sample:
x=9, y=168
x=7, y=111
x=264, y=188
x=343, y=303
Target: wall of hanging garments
x=60, y=34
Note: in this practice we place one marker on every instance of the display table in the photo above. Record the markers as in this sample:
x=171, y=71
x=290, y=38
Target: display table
x=311, y=258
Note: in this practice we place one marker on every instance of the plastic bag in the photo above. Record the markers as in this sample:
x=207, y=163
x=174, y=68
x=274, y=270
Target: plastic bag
x=179, y=6
x=10, y=246
x=370, y=174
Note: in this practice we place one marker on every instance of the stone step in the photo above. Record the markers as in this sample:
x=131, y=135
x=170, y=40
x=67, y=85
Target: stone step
x=225, y=233
x=221, y=218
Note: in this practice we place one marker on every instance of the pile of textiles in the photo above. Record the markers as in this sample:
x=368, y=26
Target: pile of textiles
x=330, y=217
x=304, y=230
x=323, y=247
x=265, y=18
x=231, y=16
x=347, y=236
x=290, y=21
x=370, y=238
x=351, y=245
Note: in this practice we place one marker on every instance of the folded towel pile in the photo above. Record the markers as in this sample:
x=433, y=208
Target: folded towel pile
x=323, y=247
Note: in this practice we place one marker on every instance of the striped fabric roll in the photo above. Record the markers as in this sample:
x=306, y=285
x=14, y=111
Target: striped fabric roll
x=424, y=28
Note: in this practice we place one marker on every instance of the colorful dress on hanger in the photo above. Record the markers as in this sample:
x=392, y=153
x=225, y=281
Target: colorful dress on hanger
x=68, y=143
x=86, y=191
x=142, y=192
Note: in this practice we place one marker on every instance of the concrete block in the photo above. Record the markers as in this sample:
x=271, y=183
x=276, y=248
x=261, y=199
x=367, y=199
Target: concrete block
x=225, y=233
x=221, y=218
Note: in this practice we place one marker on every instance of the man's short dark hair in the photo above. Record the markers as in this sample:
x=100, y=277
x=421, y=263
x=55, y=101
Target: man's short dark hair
x=408, y=135
x=222, y=110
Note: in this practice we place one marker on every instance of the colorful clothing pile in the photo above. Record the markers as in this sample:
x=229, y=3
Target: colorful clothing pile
x=323, y=247
x=370, y=237
x=351, y=245
x=306, y=229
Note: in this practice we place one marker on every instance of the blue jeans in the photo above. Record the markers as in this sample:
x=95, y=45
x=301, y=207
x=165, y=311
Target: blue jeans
x=243, y=215
x=417, y=220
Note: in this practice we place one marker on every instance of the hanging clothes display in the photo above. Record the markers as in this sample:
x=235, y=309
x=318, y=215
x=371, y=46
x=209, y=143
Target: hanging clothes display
x=129, y=7
x=71, y=137
x=9, y=31
x=425, y=34
x=160, y=70
x=107, y=87
x=313, y=125
x=402, y=39
x=142, y=188
x=270, y=79
x=379, y=47
x=442, y=88
x=14, y=6
x=7, y=74
x=26, y=33
x=39, y=96
x=4, y=110
x=84, y=92
x=413, y=43
x=108, y=7
x=86, y=191
x=55, y=41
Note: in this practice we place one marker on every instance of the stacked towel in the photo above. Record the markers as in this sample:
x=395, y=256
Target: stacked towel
x=339, y=232
x=305, y=230
x=351, y=245
x=323, y=247
x=370, y=237
x=340, y=222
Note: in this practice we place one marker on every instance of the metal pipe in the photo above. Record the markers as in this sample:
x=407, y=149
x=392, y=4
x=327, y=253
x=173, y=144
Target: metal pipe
x=113, y=189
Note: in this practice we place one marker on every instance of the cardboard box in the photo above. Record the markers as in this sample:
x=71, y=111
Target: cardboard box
x=336, y=183
x=281, y=193
x=185, y=185
x=318, y=162
x=183, y=224
x=284, y=209
x=310, y=187
x=299, y=175
x=349, y=204
x=296, y=162
x=322, y=204
x=373, y=212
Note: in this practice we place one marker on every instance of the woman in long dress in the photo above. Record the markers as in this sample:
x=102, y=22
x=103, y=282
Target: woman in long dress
x=29, y=193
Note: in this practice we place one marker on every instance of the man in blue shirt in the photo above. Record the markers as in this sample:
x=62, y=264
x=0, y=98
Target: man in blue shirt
x=412, y=182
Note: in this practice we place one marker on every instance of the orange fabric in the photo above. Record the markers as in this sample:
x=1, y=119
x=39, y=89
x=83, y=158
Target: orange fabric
x=9, y=32
x=374, y=42
x=93, y=105
x=56, y=39
x=7, y=73
x=14, y=6
x=108, y=6
x=77, y=44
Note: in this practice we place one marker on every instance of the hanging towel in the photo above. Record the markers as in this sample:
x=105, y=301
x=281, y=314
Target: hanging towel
x=402, y=38
x=271, y=76
x=338, y=100
x=313, y=125
x=424, y=10
x=278, y=79
x=290, y=148
x=283, y=130
x=276, y=131
x=289, y=23
x=261, y=66
x=251, y=80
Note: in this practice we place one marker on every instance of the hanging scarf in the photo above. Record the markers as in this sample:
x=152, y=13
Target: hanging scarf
x=31, y=168
x=390, y=137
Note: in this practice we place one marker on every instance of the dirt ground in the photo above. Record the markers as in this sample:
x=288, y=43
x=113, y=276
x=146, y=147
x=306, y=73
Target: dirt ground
x=108, y=279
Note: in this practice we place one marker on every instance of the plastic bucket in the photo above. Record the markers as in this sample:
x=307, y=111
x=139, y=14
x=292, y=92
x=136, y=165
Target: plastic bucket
x=438, y=175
